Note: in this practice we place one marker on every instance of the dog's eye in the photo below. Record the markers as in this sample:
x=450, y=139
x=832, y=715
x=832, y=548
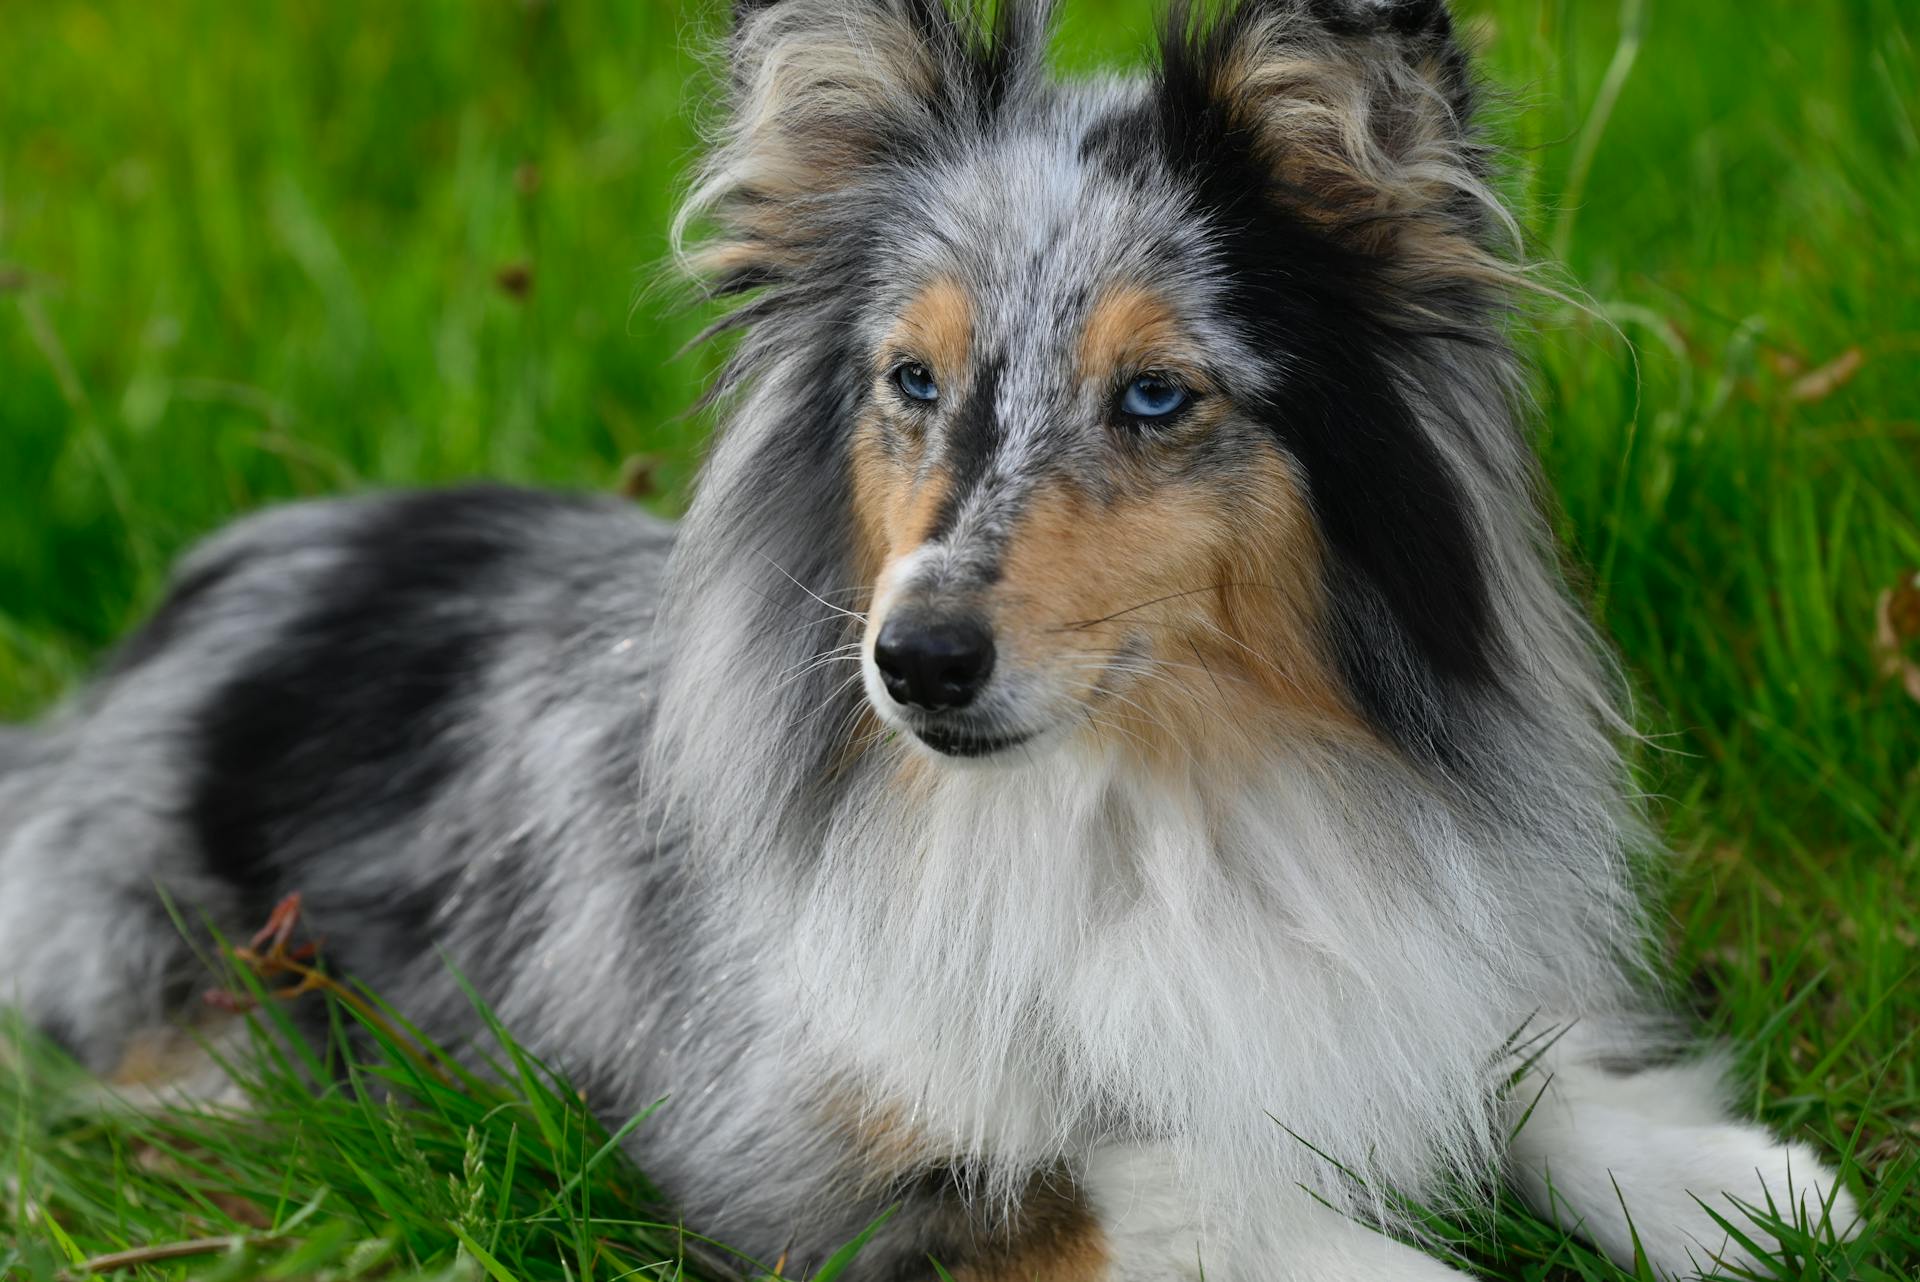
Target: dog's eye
x=916, y=382
x=1152, y=396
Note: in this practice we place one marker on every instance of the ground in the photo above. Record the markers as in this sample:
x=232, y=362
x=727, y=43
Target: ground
x=257, y=251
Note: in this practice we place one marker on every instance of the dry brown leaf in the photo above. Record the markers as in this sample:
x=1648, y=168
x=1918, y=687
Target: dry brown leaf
x=640, y=476
x=1896, y=632
x=1818, y=384
x=515, y=280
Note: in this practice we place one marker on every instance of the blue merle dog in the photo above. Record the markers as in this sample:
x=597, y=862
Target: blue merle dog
x=1108, y=765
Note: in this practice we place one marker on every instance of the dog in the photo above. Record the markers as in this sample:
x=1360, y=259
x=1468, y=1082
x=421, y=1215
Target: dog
x=1109, y=765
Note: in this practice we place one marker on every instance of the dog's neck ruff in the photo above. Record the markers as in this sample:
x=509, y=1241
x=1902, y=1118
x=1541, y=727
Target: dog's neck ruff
x=1031, y=958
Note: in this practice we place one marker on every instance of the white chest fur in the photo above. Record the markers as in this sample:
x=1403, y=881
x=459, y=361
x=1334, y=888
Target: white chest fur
x=1031, y=961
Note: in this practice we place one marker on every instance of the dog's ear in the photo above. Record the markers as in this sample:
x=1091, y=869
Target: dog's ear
x=826, y=95
x=1359, y=113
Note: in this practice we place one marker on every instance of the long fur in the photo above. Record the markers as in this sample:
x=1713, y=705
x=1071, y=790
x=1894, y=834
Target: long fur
x=642, y=785
x=1420, y=917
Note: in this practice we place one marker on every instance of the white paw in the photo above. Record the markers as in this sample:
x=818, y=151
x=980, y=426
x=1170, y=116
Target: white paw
x=1652, y=1157
x=1750, y=1180
x=1663, y=1186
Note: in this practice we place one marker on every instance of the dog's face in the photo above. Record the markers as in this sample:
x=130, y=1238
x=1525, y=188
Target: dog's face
x=1128, y=377
x=1070, y=517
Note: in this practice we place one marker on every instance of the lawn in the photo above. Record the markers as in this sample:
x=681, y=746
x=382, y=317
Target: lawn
x=257, y=251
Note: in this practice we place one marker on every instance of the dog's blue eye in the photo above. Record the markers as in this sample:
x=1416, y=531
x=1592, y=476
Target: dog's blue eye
x=1152, y=396
x=916, y=381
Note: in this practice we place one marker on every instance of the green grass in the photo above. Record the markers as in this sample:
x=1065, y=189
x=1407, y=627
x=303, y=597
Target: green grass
x=256, y=251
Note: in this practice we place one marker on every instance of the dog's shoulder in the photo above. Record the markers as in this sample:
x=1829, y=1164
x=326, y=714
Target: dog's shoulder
x=329, y=669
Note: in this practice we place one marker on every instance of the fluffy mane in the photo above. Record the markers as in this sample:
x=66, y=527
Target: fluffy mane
x=1423, y=892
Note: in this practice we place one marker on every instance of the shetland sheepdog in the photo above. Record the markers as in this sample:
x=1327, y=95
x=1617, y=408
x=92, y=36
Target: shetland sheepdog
x=1108, y=766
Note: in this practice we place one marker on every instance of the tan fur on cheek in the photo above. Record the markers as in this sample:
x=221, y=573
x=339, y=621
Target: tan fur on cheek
x=1223, y=587
x=1272, y=603
x=165, y=1064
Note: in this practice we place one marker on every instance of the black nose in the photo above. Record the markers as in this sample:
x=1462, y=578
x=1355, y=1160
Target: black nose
x=934, y=663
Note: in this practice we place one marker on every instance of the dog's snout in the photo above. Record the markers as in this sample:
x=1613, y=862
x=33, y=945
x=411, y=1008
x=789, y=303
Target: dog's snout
x=933, y=662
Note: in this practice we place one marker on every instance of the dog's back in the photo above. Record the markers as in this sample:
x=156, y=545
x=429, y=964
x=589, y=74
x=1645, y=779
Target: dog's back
x=291, y=719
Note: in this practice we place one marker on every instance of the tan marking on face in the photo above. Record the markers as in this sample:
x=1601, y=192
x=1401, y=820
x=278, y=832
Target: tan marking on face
x=1129, y=331
x=893, y=508
x=894, y=498
x=1272, y=601
x=937, y=327
x=893, y=504
x=1224, y=586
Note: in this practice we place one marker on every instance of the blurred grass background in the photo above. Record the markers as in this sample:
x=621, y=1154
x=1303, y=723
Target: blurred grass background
x=255, y=251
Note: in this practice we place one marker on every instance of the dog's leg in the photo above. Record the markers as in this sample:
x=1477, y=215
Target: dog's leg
x=1157, y=1230
x=1616, y=1154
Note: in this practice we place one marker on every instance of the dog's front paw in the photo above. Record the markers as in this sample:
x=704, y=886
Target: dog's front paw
x=1648, y=1163
x=1717, y=1198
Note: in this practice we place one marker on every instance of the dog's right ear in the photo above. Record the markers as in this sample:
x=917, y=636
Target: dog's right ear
x=825, y=94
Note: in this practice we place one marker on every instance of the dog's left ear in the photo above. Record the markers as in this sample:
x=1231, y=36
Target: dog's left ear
x=1357, y=114
x=828, y=97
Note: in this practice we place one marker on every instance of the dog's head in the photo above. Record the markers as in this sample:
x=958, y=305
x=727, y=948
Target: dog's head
x=1169, y=410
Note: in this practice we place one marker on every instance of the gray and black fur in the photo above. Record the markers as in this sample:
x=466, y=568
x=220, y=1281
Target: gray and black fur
x=642, y=785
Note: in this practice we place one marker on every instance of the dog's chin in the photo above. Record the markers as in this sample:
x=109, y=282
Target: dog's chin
x=958, y=738
x=960, y=743
x=967, y=745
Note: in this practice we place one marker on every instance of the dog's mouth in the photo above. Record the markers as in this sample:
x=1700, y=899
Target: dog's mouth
x=956, y=741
